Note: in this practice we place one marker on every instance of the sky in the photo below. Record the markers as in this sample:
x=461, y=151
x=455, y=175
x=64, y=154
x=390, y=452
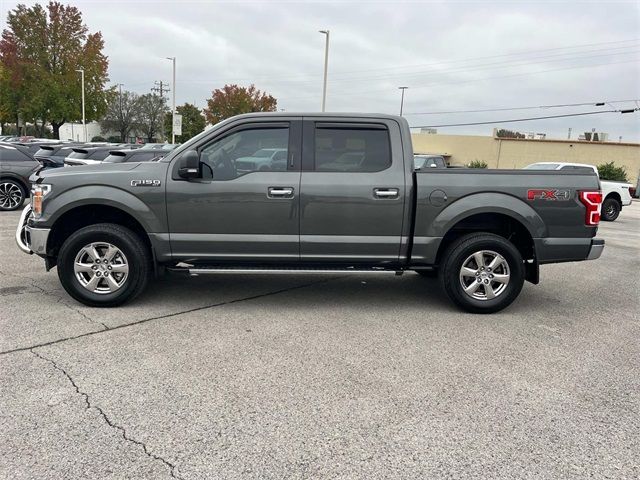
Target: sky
x=454, y=56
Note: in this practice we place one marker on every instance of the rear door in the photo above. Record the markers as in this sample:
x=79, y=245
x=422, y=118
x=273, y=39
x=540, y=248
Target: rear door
x=352, y=191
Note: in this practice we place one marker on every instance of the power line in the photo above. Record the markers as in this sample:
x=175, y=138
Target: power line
x=512, y=120
x=505, y=109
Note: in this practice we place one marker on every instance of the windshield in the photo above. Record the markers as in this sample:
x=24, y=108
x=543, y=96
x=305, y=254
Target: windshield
x=541, y=166
x=77, y=154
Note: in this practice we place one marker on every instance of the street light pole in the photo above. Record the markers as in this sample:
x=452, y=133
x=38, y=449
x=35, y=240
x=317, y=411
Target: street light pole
x=402, y=98
x=173, y=102
x=84, y=124
x=326, y=66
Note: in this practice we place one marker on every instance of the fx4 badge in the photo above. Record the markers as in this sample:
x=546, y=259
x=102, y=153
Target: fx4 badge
x=145, y=183
x=552, y=194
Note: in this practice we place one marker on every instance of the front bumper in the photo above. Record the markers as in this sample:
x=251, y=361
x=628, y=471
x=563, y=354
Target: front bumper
x=31, y=240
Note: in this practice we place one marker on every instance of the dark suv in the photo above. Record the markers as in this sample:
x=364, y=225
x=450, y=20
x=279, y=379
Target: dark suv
x=16, y=165
x=52, y=156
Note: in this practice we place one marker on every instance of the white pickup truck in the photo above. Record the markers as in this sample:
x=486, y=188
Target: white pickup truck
x=615, y=194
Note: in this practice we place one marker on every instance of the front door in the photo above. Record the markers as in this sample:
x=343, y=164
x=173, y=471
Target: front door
x=246, y=205
x=353, y=192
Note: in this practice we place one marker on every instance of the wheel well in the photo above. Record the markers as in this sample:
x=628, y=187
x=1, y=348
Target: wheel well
x=86, y=215
x=497, y=223
x=615, y=196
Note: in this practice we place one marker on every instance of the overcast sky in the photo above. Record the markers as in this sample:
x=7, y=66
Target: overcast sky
x=452, y=55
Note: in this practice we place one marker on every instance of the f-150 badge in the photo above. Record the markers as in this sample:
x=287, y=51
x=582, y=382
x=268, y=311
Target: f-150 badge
x=145, y=183
x=549, y=194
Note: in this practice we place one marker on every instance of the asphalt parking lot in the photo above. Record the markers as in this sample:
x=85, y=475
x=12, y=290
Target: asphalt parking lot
x=323, y=377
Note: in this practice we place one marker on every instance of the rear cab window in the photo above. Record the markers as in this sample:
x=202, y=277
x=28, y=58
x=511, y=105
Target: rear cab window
x=357, y=148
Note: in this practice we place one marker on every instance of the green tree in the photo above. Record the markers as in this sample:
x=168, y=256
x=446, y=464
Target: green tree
x=122, y=115
x=193, y=122
x=477, y=164
x=233, y=100
x=152, y=112
x=610, y=171
x=41, y=50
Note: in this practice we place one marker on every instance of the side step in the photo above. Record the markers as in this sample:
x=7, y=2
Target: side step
x=216, y=270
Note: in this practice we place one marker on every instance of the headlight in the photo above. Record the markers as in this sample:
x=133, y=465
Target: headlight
x=38, y=192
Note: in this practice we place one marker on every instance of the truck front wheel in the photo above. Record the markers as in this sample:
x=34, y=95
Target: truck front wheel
x=104, y=265
x=482, y=272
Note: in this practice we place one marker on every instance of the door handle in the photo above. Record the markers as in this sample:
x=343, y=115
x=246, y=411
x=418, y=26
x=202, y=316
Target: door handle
x=280, y=192
x=385, y=192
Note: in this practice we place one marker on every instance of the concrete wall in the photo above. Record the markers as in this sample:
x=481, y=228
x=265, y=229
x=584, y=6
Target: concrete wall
x=516, y=153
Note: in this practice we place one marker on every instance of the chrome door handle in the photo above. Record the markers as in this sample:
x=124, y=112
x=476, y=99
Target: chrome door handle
x=280, y=192
x=385, y=192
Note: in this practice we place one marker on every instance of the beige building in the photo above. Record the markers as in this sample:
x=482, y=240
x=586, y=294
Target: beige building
x=517, y=153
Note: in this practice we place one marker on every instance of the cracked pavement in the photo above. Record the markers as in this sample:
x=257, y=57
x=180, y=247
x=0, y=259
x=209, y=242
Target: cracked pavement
x=323, y=377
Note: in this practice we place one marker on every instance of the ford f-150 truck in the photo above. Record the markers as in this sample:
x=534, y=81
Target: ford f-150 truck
x=347, y=199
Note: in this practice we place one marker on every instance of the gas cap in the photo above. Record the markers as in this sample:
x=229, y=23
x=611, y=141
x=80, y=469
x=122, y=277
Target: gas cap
x=437, y=198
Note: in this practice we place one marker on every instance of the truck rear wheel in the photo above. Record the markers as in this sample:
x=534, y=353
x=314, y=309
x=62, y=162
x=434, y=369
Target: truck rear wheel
x=482, y=272
x=104, y=265
x=610, y=209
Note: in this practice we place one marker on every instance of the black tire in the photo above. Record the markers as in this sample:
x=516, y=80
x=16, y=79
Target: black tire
x=12, y=194
x=131, y=245
x=428, y=273
x=610, y=209
x=459, y=252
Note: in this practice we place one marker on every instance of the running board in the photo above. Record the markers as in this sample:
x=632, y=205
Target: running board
x=195, y=271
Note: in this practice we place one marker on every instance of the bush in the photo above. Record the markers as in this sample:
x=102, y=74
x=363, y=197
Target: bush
x=478, y=164
x=609, y=171
x=98, y=138
x=114, y=139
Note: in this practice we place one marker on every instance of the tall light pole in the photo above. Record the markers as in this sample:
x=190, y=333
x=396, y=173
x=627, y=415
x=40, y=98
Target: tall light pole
x=326, y=66
x=84, y=123
x=173, y=102
x=402, y=98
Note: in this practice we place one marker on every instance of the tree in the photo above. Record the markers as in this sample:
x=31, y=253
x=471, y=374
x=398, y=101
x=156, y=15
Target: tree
x=502, y=133
x=41, y=49
x=610, y=171
x=123, y=113
x=477, y=164
x=233, y=100
x=192, y=122
x=152, y=111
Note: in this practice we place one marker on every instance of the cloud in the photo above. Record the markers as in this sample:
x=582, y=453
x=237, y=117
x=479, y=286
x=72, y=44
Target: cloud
x=452, y=55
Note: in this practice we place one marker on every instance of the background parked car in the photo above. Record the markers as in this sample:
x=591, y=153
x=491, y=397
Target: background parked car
x=16, y=166
x=139, y=155
x=52, y=156
x=89, y=155
x=615, y=195
x=422, y=162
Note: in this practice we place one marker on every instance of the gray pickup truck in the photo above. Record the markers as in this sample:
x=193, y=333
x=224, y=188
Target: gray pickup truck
x=346, y=200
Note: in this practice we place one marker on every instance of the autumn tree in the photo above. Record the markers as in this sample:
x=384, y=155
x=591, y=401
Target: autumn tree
x=123, y=114
x=193, y=122
x=41, y=50
x=233, y=100
x=151, y=115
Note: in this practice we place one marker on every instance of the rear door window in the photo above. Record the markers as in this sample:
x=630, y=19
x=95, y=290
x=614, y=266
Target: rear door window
x=357, y=149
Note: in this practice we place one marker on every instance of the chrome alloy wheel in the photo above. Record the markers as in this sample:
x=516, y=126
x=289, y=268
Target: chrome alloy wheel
x=101, y=267
x=610, y=211
x=484, y=275
x=10, y=195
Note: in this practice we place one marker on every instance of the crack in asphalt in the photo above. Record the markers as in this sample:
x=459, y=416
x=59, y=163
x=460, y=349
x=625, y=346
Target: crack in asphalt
x=169, y=315
x=105, y=417
x=60, y=298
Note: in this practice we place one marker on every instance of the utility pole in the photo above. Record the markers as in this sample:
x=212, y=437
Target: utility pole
x=173, y=102
x=84, y=124
x=161, y=89
x=326, y=67
x=569, y=134
x=402, y=98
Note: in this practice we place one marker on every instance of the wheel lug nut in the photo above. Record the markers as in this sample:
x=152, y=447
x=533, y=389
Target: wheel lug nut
x=106, y=274
x=491, y=276
x=479, y=280
x=486, y=281
x=97, y=260
x=109, y=267
x=98, y=274
x=104, y=261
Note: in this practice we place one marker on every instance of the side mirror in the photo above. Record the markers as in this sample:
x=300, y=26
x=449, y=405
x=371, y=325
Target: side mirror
x=189, y=165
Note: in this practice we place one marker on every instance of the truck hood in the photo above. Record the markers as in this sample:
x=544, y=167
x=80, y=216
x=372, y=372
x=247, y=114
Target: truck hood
x=90, y=172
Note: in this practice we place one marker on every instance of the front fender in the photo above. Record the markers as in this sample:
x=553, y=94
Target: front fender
x=144, y=213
